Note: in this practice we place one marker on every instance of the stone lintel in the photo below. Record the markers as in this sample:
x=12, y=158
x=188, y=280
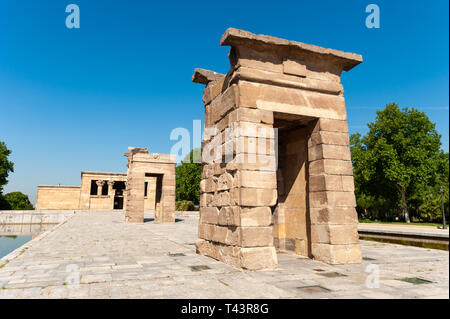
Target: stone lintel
x=142, y=155
x=235, y=37
x=203, y=76
x=103, y=173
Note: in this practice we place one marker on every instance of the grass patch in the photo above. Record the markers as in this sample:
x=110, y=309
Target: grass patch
x=4, y=264
x=368, y=221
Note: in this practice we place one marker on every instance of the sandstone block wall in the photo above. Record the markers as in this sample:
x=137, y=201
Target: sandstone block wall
x=58, y=197
x=283, y=176
x=74, y=197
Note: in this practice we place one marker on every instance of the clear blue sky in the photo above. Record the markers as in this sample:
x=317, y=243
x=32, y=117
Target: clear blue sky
x=73, y=100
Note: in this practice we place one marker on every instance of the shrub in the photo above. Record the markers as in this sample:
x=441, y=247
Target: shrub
x=18, y=201
x=185, y=205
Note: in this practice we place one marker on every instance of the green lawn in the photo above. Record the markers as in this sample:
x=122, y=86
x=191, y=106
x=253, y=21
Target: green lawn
x=400, y=223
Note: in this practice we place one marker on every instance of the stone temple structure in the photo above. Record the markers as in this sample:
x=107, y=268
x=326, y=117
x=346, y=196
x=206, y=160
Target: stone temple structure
x=98, y=191
x=143, y=165
x=277, y=172
x=148, y=185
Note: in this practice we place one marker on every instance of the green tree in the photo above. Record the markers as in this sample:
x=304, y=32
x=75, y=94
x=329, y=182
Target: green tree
x=400, y=152
x=426, y=200
x=4, y=205
x=18, y=201
x=188, y=177
x=6, y=166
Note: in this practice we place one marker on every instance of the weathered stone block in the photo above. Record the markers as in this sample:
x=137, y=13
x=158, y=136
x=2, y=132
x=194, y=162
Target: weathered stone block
x=327, y=151
x=250, y=145
x=206, y=199
x=223, y=198
x=256, y=236
x=331, y=166
x=331, y=199
x=251, y=115
x=248, y=94
x=223, y=104
x=220, y=234
x=294, y=67
x=335, y=234
x=331, y=125
x=257, y=216
x=250, y=129
x=325, y=137
x=212, y=91
x=337, y=254
x=252, y=162
x=205, y=248
x=209, y=215
x=331, y=183
x=258, y=258
x=254, y=196
x=334, y=215
x=255, y=179
x=225, y=182
x=229, y=216
x=294, y=101
x=311, y=82
x=208, y=185
x=325, y=182
x=348, y=184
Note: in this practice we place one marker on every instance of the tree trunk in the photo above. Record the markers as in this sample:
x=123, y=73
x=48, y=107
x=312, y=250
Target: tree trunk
x=404, y=205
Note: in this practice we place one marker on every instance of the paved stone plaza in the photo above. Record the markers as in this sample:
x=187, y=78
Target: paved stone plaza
x=120, y=260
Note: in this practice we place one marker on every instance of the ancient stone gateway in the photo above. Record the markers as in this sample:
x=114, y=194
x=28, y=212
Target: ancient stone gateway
x=277, y=171
x=141, y=166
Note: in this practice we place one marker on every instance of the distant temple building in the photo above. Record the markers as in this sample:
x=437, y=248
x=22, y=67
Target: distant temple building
x=149, y=184
x=98, y=191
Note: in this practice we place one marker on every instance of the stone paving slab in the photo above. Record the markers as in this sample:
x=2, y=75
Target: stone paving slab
x=112, y=259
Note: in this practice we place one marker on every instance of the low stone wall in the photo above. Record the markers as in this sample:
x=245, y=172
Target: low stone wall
x=33, y=217
x=187, y=213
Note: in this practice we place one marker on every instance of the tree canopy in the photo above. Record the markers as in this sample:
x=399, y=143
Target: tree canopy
x=399, y=166
x=18, y=201
x=188, y=177
x=6, y=166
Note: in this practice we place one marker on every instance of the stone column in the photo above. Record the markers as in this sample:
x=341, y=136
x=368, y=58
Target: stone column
x=236, y=196
x=99, y=187
x=111, y=192
x=110, y=187
x=85, y=191
x=125, y=196
x=165, y=209
x=135, y=195
x=334, y=223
